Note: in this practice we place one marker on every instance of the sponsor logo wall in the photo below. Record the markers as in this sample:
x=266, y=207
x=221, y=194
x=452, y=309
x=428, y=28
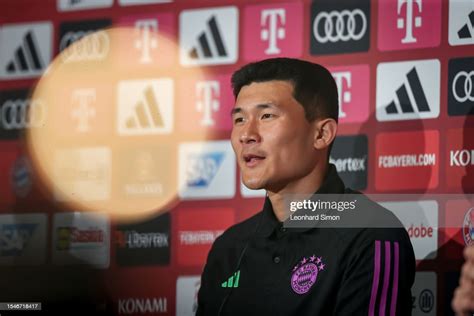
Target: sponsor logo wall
x=421, y=221
x=145, y=243
x=81, y=239
x=405, y=76
x=23, y=239
x=424, y=294
x=349, y=155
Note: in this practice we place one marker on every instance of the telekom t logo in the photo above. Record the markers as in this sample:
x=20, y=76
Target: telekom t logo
x=343, y=79
x=146, y=41
x=410, y=17
x=353, y=92
x=407, y=24
x=271, y=18
x=208, y=93
x=83, y=98
x=280, y=27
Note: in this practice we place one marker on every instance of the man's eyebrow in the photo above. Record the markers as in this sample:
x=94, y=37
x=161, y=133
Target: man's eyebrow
x=235, y=111
x=260, y=106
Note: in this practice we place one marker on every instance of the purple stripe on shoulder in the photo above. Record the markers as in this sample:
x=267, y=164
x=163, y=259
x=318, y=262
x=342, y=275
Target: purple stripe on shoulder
x=386, y=280
x=393, y=304
x=375, y=282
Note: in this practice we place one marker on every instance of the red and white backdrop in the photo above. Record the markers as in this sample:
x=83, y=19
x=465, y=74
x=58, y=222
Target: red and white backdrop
x=405, y=73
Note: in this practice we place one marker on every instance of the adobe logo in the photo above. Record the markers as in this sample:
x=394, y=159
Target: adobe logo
x=205, y=104
x=420, y=231
x=407, y=160
x=406, y=24
x=353, y=92
x=420, y=219
x=273, y=30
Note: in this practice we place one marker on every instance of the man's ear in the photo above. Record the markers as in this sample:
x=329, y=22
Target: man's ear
x=325, y=132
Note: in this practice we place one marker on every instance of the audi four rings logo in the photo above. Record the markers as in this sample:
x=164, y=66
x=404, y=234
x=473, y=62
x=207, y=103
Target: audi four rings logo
x=340, y=26
x=17, y=114
x=464, y=81
x=89, y=45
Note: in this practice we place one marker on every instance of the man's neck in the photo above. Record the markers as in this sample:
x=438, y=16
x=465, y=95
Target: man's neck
x=308, y=185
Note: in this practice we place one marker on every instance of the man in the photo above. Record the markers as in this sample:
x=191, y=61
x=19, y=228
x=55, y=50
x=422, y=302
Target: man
x=463, y=300
x=284, y=122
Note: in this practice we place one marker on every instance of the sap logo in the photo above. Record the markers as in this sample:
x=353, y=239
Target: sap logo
x=142, y=305
x=14, y=238
x=206, y=170
x=28, y=50
x=209, y=37
x=201, y=169
x=408, y=90
x=461, y=158
x=349, y=164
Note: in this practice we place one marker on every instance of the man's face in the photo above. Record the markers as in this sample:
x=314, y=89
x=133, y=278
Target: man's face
x=271, y=137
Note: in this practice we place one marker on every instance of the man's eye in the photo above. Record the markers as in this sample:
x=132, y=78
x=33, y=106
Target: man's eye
x=238, y=120
x=267, y=115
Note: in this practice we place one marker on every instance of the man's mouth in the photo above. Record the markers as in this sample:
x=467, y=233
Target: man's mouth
x=252, y=160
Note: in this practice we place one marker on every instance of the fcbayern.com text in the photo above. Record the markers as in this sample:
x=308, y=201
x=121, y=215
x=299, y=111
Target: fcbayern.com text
x=407, y=161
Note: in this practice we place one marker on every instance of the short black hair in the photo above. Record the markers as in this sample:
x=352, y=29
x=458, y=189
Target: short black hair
x=313, y=85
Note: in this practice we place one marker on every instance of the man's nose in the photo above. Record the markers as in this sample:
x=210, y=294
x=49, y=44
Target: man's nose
x=250, y=133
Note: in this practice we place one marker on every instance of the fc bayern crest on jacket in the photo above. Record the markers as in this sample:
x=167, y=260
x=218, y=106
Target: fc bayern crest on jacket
x=305, y=274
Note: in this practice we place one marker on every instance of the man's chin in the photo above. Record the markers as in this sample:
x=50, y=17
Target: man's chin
x=253, y=185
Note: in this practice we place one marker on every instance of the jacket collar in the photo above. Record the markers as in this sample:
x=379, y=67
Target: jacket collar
x=332, y=184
